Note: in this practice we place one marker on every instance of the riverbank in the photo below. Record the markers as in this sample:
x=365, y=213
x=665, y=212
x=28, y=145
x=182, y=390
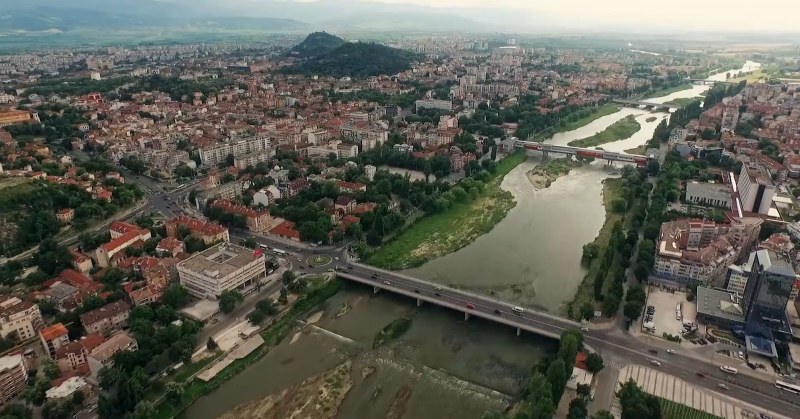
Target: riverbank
x=668, y=91
x=637, y=150
x=596, y=113
x=272, y=335
x=612, y=189
x=619, y=130
x=391, y=332
x=543, y=175
x=318, y=397
x=450, y=230
x=681, y=102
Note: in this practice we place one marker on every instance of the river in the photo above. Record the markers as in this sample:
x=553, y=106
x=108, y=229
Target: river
x=532, y=256
x=454, y=368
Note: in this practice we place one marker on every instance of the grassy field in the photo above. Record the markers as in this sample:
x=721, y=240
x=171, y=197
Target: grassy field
x=599, y=112
x=672, y=410
x=445, y=232
x=664, y=92
x=612, y=189
x=10, y=182
x=619, y=130
x=683, y=101
x=638, y=150
x=751, y=77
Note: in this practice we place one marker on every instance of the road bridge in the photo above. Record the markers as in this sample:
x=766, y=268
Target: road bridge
x=469, y=303
x=610, y=156
x=644, y=103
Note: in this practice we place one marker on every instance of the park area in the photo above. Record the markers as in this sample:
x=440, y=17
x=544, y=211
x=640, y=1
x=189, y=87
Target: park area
x=619, y=130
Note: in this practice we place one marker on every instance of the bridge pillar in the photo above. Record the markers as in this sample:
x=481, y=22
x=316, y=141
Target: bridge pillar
x=375, y=289
x=466, y=316
x=519, y=331
x=419, y=302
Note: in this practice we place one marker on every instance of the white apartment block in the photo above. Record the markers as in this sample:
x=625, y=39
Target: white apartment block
x=216, y=154
x=445, y=105
x=21, y=317
x=219, y=268
x=13, y=377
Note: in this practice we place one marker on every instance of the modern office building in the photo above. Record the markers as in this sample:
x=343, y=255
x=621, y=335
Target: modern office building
x=755, y=189
x=223, y=267
x=765, y=298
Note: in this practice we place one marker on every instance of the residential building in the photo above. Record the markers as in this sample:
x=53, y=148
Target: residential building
x=170, y=246
x=207, y=231
x=20, y=317
x=123, y=235
x=445, y=105
x=228, y=190
x=345, y=203
x=102, y=355
x=730, y=117
x=68, y=388
x=708, y=194
x=700, y=250
x=65, y=215
x=13, y=377
x=266, y=196
x=107, y=319
x=71, y=356
x=369, y=172
x=755, y=189
x=257, y=220
x=53, y=337
x=17, y=117
x=218, y=153
x=223, y=267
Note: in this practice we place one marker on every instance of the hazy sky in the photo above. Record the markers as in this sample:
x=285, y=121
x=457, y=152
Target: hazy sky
x=691, y=15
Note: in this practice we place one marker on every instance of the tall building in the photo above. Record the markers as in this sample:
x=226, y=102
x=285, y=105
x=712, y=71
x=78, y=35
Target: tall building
x=13, y=376
x=218, y=153
x=54, y=337
x=755, y=189
x=765, y=298
x=19, y=317
x=223, y=267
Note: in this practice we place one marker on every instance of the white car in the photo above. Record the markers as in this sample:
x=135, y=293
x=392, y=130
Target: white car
x=670, y=351
x=584, y=329
x=654, y=362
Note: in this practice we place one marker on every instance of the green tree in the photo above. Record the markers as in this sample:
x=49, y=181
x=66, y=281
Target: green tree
x=587, y=311
x=174, y=392
x=584, y=390
x=568, y=349
x=210, y=344
x=175, y=296
x=288, y=277
x=36, y=394
x=594, y=362
x=578, y=409
x=16, y=411
x=256, y=317
x=57, y=409
x=50, y=369
x=228, y=300
x=603, y=414
x=557, y=377
x=143, y=410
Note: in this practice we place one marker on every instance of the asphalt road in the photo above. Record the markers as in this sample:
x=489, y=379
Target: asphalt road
x=606, y=342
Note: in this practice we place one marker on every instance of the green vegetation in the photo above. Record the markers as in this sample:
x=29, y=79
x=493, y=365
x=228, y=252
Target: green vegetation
x=228, y=300
x=637, y=150
x=369, y=95
x=391, y=332
x=672, y=410
x=579, y=120
x=357, y=59
x=273, y=335
x=317, y=43
x=636, y=404
x=543, y=175
x=682, y=101
x=452, y=228
x=318, y=260
x=667, y=91
x=619, y=130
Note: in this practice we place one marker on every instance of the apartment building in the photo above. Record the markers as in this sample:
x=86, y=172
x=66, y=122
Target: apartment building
x=123, y=235
x=18, y=117
x=102, y=355
x=207, y=231
x=71, y=356
x=106, y=320
x=251, y=159
x=256, y=220
x=218, y=153
x=755, y=189
x=53, y=337
x=20, y=317
x=445, y=105
x=228, y=190
x=219, y=268
x=13, y=377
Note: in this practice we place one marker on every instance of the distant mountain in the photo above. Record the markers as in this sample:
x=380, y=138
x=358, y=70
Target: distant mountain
x=357, y=59
x=316, y=44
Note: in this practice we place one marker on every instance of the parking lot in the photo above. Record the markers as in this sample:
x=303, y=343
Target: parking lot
x=664, y=316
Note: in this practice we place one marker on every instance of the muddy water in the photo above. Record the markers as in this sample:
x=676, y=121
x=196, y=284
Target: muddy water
x=452, y=368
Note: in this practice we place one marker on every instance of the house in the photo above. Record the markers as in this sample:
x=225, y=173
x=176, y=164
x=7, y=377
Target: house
x=286, y=230
x=66, y=389
x=123, y=235
x=81, y=262
x=351, y=186
x=207, y=231
x=144, y=295
x=257, y=220
x=345, y=203
x=294, y=187
x=107, y=319
x=170, y=246
x=71, y=356
x=266, y=196
x=102, y=355
x=65, y=215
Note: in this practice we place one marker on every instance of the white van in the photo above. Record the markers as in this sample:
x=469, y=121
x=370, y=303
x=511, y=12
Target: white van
x=729, y=370
x=517, y=309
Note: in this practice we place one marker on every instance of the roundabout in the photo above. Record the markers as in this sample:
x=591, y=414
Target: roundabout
x=318, y=260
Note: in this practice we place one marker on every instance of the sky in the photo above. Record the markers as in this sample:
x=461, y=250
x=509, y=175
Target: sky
x=682, y=15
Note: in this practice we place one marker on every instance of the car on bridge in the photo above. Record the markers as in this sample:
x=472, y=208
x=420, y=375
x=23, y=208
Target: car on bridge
x=471, y=306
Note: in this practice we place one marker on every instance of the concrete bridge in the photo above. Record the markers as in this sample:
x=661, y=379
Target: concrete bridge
x=644, y=103
x=469, y=303
x=610, y=156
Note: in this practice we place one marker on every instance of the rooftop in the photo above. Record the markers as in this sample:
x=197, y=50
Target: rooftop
x=55, y=331
x=111, y=346
x=10, y=361
x=105, y=312
x=719, y=303
x=220, y=261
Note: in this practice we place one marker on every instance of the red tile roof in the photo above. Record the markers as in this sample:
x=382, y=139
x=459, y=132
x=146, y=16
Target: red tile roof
x=285, y=229
x=55, y=331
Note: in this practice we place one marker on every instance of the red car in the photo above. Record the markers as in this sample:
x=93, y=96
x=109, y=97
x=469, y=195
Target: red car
x=470, y=306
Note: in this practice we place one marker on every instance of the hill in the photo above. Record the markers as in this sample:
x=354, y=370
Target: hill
x=357, y=59
x=317, y=43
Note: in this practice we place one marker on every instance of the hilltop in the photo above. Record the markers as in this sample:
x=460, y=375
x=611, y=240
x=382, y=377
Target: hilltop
x=357, y=59
x=317, y=43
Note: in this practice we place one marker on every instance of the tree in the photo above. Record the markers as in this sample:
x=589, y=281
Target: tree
x=493, y=155
x=636, y=404
x=211, y=344
x=77, y=398
x=619, y=205
x=228, y=300
x=288, y=277
x=16, y=411
x=584, y=390
x=603, y=414
x=174, y=392
x=284, y=297
x=578, y=409
x=568, y=349
x=641, y=271
x=427, y=170
x=557, y=377
x=57, y=409
x=175, y=296
x=594, y=362
x=35, y=394
x=50, y=369
x=256, y=317
x=143, y=410
x=587, y=311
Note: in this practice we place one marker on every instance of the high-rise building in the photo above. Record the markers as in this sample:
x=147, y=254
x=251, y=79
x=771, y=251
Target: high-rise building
x=221, y=268
x=755, y=189
x=13, y=376
x=766, y=296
